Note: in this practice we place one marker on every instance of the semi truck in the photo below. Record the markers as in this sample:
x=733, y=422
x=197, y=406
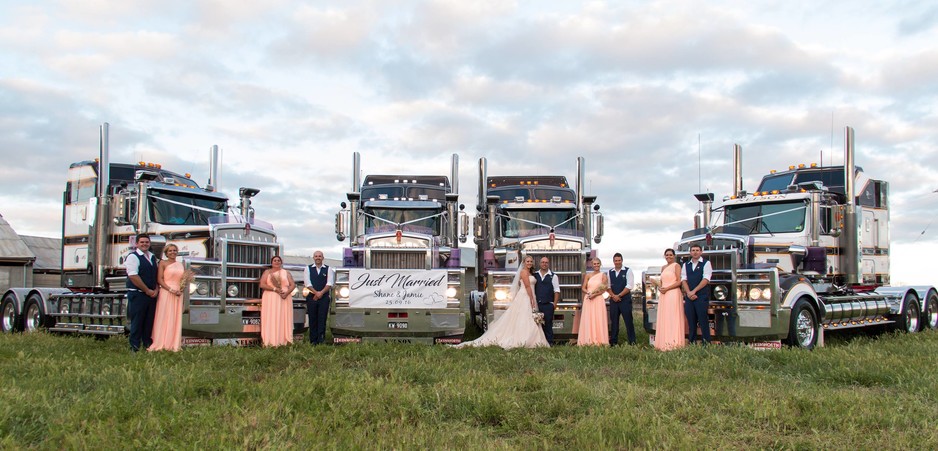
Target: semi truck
x=805, y=253
x=105, y=206
x=401, y=278
x=540, y=216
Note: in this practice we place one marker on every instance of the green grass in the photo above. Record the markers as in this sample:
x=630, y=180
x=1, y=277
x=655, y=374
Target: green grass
x=858, y=392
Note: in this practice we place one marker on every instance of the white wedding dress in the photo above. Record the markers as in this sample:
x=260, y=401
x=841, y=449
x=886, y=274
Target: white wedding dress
x=515, y=328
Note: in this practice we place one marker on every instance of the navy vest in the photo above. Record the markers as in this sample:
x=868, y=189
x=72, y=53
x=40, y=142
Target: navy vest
x=319, y=278
x=146, y=271
x=694, y=277
x=617, y=284
x=544, y=288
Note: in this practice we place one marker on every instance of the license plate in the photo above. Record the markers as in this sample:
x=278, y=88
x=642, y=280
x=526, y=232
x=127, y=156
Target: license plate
x=250, y=321
x=397, y=325
x=558, y=324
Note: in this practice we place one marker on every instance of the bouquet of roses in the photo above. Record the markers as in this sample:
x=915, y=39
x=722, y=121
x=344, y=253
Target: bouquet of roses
x=538, y=317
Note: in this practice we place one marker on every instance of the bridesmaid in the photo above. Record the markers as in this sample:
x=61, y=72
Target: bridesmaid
x=669, y=332
x=277, y=304
x=594, y=324
x=167, y=324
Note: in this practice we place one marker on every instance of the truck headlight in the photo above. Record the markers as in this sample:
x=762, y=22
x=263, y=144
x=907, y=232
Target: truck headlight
x=451, y=292
x=105, y=309
x=202, y=288
x=344, y=292
x=63, y=308
x=193, y=287
x=501, y=295
x=232, y=291
x=755, y=293
x=719, y=293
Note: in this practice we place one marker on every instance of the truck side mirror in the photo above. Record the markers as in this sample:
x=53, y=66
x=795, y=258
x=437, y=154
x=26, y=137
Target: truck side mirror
x=463, y=226
x=598, y=227
x=340, y=221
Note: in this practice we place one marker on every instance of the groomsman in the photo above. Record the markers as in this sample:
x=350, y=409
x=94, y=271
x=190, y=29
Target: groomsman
x=141, y=266
x=620, y=300
x=695, y=281
x=318, y=278
x=547, y=294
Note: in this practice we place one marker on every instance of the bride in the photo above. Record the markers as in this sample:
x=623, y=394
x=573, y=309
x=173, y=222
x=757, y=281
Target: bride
x=516, y=327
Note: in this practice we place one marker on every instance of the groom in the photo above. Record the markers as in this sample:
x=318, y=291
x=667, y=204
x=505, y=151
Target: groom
x=547, y=294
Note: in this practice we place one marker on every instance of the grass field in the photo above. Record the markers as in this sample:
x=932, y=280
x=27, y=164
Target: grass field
x=859, y=392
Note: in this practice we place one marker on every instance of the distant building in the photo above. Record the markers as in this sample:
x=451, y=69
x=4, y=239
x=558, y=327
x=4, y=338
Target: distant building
x=16, y=260
x=47, y=269
x=28, y=261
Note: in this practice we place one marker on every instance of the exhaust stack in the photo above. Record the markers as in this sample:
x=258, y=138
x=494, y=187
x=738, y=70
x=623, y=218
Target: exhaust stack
x=851, y=234
x=213, y=184
x=452, y=199
x=737, y=170
x=102, y=223
x=353, y=197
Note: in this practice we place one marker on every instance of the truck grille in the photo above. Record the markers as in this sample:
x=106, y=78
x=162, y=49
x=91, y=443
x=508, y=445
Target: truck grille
x=259, y=254
x=398, y=260
x=561, y=262
x=719, y=261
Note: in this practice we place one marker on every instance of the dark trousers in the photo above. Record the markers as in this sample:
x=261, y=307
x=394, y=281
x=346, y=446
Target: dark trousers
x=141, y=309
x=622, y=308
x=318, y=313
x=547, y=308
x=696, y=312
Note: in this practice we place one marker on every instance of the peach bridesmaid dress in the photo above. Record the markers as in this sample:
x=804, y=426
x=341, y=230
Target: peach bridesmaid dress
x=167, y=322
x=669, y=331
x=276, y=314
x=594, y=323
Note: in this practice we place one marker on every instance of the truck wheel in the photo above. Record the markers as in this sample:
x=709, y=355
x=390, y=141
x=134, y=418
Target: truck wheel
x=908, y=320
x=931, y=311
x=8, y=323
x=33, y=317
x=803, y=327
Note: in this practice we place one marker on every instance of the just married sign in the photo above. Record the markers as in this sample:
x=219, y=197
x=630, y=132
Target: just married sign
x=400, y=288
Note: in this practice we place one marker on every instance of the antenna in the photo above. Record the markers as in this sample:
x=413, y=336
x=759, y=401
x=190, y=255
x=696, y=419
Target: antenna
x=832, y=142
x=698, y=162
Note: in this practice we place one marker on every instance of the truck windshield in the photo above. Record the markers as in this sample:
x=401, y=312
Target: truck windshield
x=777, y=217
x=522, y=223
x=180, y=209
x=776, y=182
x=425, y=221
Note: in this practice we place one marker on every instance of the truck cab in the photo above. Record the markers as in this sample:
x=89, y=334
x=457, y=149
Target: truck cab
x=401, y=278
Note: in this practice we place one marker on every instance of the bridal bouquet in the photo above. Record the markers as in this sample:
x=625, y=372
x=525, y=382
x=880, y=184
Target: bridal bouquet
x=538, y=317
x=275, y=281
x=599, y=291
x=187, y=277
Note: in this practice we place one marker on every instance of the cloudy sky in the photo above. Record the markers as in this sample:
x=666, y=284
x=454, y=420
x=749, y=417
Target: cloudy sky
x=642, y=90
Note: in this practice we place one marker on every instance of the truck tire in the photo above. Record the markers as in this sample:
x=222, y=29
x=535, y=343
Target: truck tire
x=9, y=323
x=34, y=318
x=931, y=311
x=910, y=319
x=803, y=328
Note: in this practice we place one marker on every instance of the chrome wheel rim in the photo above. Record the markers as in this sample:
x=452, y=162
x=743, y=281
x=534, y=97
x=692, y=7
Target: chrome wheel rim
x=805, y=328
x=33, y=317
x=933, y=314
x=911, y=317
x=9, y=317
